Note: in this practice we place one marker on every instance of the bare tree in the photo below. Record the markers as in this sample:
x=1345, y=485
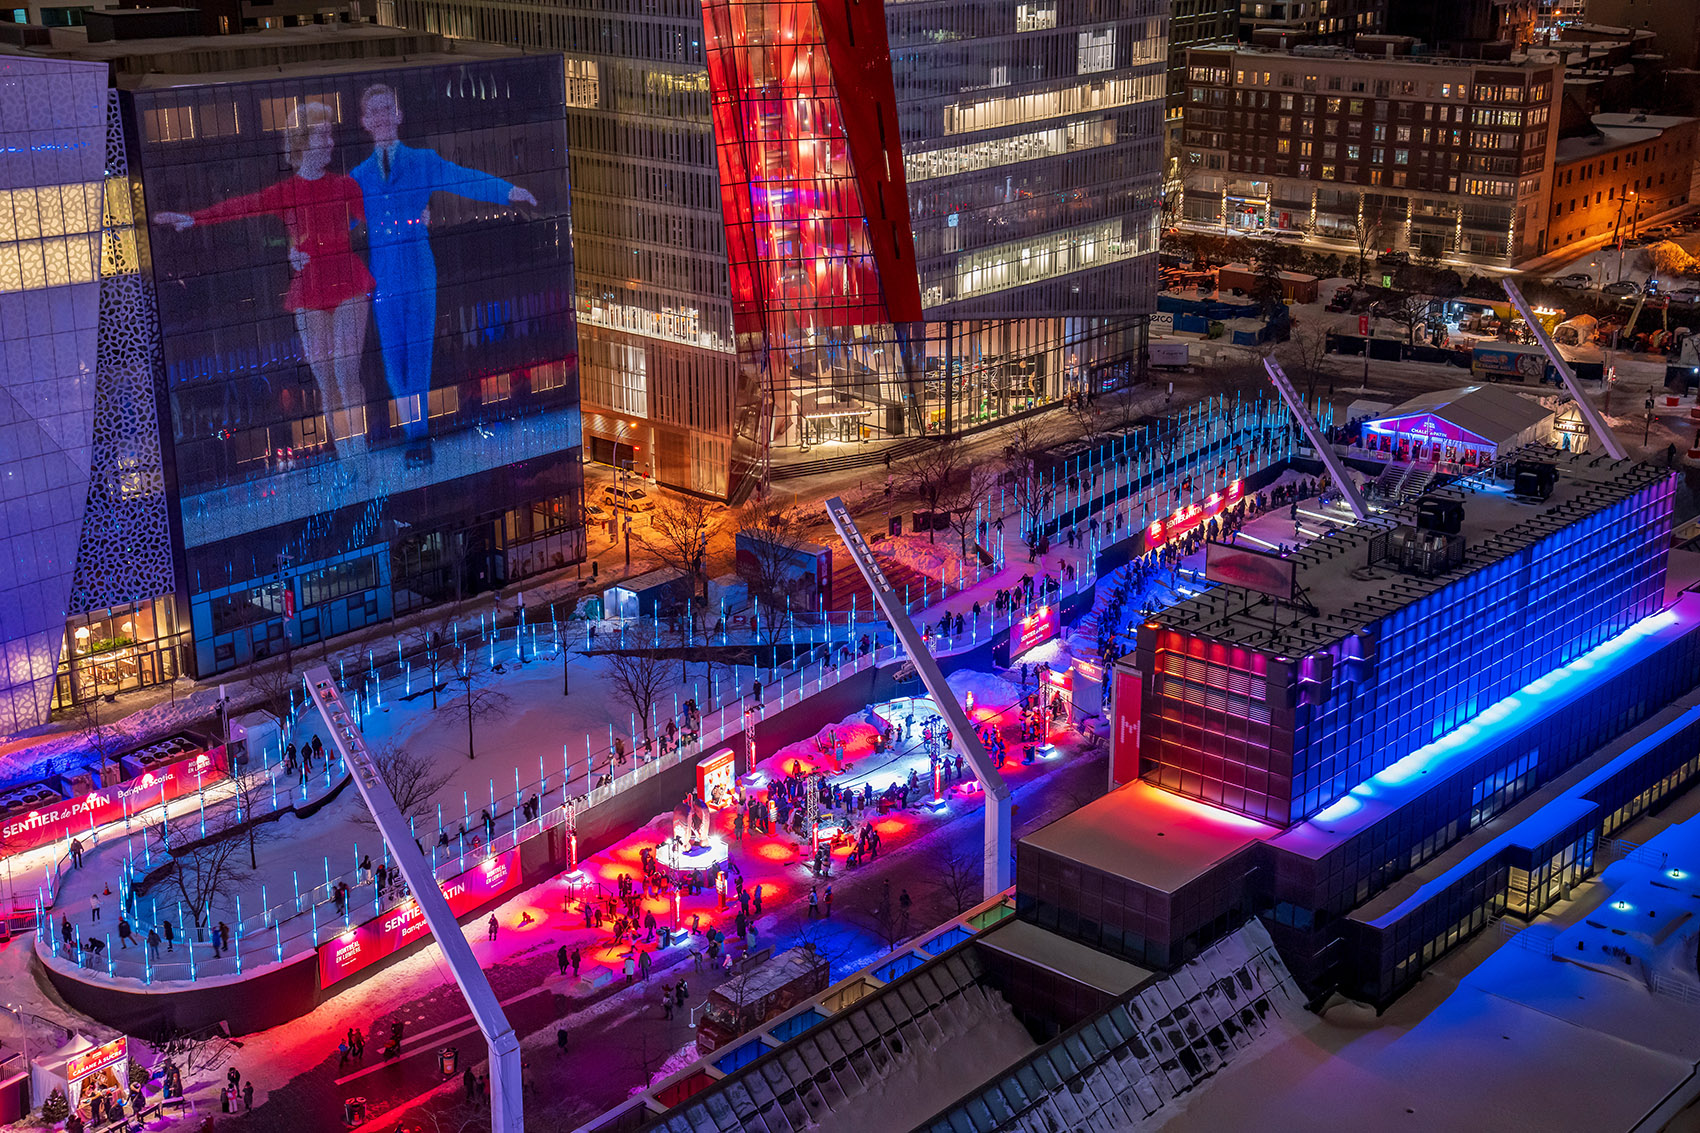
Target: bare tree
x=253, y=798
x=100, y=732
x=413, y=778
x=957, y=875
x=639, y=677
x=885, y=920
x=475, y=701
x=431, y=645
x=966, y=502
x=679, y=530
x=1304, y=356
x=208, y=864
x=932, y=473
x=1181, y=170
x=1369, y=235
x=1410, y=311
x=273, y=686
x=767, y=560
x=1026, y=468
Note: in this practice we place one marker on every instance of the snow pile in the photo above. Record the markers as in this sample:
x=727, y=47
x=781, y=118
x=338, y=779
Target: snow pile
x=989, y=691
x=941, y=560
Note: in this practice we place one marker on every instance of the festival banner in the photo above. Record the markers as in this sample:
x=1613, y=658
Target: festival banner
x=365, y=944
x=77, y=817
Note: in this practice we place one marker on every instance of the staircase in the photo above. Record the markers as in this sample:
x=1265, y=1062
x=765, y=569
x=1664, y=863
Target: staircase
x=1401, y=483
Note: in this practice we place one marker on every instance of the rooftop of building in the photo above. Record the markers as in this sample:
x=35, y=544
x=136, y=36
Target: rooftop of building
x=1343, y=54
x=312, y=49
x=1052, y=953
x=1346, y=594
x=1615, y=132
x=1161, y=840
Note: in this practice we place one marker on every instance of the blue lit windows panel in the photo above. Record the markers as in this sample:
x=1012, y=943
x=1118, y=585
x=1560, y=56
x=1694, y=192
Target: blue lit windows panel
x=1451, y=654
x=366, y=304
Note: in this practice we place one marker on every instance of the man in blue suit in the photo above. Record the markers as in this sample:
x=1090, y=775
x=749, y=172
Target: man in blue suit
x=396, y=184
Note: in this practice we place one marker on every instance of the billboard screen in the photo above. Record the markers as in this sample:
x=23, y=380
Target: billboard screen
x=366, y=944
x=1252, y=570
x=1034, y=630
x=364, y=284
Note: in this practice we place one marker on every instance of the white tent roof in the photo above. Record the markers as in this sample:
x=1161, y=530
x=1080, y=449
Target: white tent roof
x=1494, y=414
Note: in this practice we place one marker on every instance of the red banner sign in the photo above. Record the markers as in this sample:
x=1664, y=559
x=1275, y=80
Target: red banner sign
x=365, y=944
x=1190, y=516
x=1124, y=741
x=86, y=1063
x=1034, y=630
x=77, y=816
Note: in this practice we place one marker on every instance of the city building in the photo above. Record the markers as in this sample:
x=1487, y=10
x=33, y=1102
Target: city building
x=958, y=225
x=1292, y=23
x=209, y=17
x=1675, y=25
x=1449, y=158
x=234, y=434
x=1194, y=23
x=1486, y=28
x=1626, y=169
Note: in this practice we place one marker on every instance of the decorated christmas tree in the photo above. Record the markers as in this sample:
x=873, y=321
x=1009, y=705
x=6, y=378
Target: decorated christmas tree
x=56, y=1108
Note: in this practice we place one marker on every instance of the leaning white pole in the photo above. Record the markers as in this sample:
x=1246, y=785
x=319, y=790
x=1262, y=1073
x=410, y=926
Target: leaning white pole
x=506, y=1105
x=1331, y=459
x=997, y=868
x=1597, y=427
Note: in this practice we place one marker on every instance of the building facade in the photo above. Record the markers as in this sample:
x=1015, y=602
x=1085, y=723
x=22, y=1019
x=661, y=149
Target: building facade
x=1287, y=729
x=1446, y=158
x=1631, y=167
x=766, y=282
x=286, y=434
x=1290, y=23
x=1194, y=23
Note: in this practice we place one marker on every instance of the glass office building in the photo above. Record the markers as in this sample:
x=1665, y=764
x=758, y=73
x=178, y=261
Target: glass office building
x=805, y=233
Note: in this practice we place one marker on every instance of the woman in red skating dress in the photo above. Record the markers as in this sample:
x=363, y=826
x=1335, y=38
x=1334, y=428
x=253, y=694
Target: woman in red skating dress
x=330, y=288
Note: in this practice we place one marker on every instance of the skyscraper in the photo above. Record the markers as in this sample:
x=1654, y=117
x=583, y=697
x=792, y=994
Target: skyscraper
x=806, y=235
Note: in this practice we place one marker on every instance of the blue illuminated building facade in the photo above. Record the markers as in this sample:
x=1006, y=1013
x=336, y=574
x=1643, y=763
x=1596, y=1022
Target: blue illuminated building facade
x=1278, y=730
x=255, y=411
x=1419, y=751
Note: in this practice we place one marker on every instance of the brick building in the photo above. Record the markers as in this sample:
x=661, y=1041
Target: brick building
x=1447, y=157
x=1629, y=168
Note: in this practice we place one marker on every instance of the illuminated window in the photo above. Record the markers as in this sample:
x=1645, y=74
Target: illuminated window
x=283, y=113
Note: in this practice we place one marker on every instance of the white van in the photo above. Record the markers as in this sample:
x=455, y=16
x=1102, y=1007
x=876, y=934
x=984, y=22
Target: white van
x=627, y=499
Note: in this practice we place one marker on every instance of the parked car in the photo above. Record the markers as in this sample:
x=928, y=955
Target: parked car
x=1395, y=258
x=1686, y=295
x=1576, y=280
x=1288, y=234
x=1663, y=232
x=594, y=512
x=627, y=499
x=1622, y=289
